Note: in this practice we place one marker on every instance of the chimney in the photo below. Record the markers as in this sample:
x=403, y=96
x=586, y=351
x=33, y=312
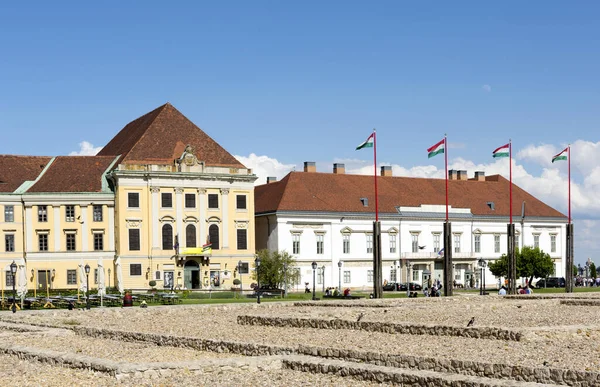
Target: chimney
x=480, y=176
x=339, y=169
x=271, y=179
x=452, y=174
x=310, y=166
x=462, y=175
x=386, y=170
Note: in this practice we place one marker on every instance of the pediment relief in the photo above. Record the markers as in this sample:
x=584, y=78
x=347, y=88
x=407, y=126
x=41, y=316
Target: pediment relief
x=392, y=230
x=346, y=230
x=188, y=162
x=213, y=219
x=191, y=219
x=167, y=219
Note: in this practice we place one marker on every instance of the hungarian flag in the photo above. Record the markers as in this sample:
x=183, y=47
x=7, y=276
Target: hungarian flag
x=502, y=151
x=436, y=149
x=207, y=247
x=368, y=143
x=561, y=156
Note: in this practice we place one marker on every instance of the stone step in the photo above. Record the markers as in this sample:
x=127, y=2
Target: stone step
x=399, y=376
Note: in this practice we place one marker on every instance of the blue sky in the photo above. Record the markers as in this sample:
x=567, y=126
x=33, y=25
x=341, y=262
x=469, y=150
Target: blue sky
x=278, y=83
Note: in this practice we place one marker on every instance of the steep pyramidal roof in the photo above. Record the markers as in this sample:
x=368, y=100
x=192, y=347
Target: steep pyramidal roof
x=15, y=170
x=159, y=137
x=326, y=192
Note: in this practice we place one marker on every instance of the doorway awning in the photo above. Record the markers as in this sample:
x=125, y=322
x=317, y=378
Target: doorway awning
x=196, y=251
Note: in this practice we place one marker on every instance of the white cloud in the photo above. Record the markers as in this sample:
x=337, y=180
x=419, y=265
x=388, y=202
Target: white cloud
x=264, y=166
x=487, y=88
x=86, y=149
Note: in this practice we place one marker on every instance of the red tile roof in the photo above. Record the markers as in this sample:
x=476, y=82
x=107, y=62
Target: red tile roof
x=326, y=192
x=161, y=136
x=74, y=174
x=15, y=170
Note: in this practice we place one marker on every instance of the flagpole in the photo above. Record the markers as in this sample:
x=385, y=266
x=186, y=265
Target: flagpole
x=375, y=174
x=569, y=159
x=510, y=175
x=446, y=172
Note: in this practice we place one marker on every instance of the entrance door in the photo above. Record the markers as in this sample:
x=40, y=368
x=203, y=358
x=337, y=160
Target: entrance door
x=191, y=275
x=43, y=278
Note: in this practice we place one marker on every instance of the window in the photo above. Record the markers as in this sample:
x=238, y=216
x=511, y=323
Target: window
x=190, y=235
x=478, y=243
x=43, y=242
x=436, y=243
x=242, y=240
x=295, y=243
x=9, y=214
x=133, y=200
x=213, y=232
x=320, y=242
x=167, y=237
x=71, y=277
x=370, y=276
x=157, y=275
x=536, y=241
x=243, y=268
x=393, y=275
x=346, y=243
x=369, y=243
x=516, y=243
x=135, y=269
x=190, y=200
x=346, y=276
x=241, y=202
x=415, y=275
x=9, y=279
x=392, y=243
x=496, y=243
x=457, y=243
x=213, y=201
x=71, y=242
x=98, y=241
x=415, y=242
x=166, y=200
x=97, y=213
x=42, y=213
x=9, y=243
x=553, y=243
x=69, y=213
x=134, y=239
x=320, y=276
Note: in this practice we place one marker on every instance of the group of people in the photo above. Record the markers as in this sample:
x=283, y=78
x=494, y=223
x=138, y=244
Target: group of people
x=434, y=289
x=520, y=290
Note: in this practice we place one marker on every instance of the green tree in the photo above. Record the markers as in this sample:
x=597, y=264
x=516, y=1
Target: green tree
x=531, y=263
x=593, y=270
x=575, y=271
x=272, y=272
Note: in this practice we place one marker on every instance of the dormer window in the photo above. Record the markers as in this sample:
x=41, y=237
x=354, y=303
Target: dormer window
x=365, y=202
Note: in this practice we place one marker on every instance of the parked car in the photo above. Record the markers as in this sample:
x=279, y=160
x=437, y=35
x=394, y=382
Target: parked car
x=552, y=282
x=414, y=286
x=393, y=286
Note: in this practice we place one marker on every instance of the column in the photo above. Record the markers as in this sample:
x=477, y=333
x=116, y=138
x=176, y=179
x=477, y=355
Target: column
x=179, y=212
x=56, y=228
x=84, y=229
x=28, y=223
x=225, y=213
x=153, y=217
x=202, y=207
x=111, y=227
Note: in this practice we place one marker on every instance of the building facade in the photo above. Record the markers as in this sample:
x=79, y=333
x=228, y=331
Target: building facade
x=162, y=201
x=327, y=218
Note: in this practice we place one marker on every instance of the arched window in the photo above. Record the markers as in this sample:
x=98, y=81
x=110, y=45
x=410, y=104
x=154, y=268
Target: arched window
x=213, y=232
x=167, y=237
x=190, y=236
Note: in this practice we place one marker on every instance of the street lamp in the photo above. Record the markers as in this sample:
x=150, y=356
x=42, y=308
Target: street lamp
x=408, y=265
x=13, y=270
x=284, y=279
x=314, y=267
x=323, y=277
x=87, y=282
x=109, y=277
x=257, y=264
x=340, y=264
x=482, y=265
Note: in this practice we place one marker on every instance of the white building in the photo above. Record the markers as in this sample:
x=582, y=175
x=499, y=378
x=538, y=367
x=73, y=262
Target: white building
x=328, y=218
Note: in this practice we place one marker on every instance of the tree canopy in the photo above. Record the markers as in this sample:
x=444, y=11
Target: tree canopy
x=593, y=272
x=531, y=263
x=272, y=273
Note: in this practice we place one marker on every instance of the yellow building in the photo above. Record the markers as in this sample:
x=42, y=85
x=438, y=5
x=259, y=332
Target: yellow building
x=161, y=201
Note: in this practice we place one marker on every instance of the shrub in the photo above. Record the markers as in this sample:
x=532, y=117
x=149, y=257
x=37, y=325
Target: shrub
x=152, y=283
x=237, y=281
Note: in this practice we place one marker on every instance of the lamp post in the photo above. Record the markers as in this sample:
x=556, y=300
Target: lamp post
x=408, y=265
x=284, y=279
x=87, y=287
x=482, y=265
x=257, y=264
x=323, y=277
x=240, y=273
x=453, y=275
x=340, y=264
x=13, y=270
x=109, y=277
x=314, y=267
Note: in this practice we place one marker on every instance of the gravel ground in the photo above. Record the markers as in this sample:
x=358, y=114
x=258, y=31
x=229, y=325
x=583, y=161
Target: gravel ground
x=23, y=373
x=557, y=335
